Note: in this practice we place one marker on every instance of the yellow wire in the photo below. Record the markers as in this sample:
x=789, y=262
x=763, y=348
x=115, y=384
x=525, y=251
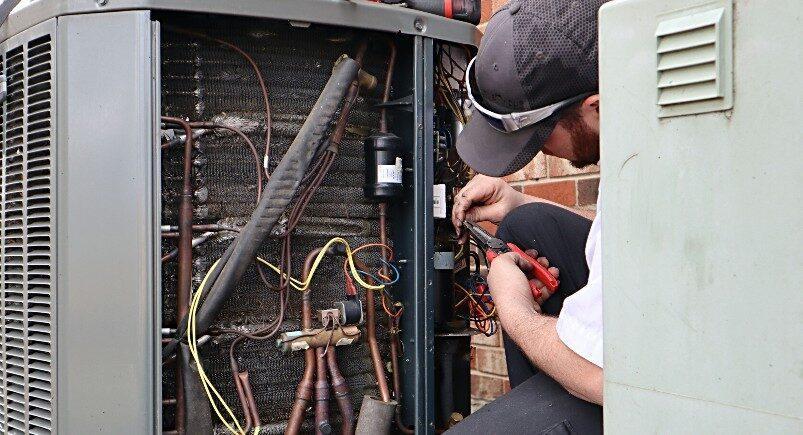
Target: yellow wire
x=210, y=390
x=304, y=285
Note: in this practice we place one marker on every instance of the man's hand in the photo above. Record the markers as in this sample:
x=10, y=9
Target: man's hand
x=507, y=280
x=535, y=333
x=485, y=199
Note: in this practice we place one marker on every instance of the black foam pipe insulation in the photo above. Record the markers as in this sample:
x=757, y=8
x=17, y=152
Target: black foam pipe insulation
x=280, y=188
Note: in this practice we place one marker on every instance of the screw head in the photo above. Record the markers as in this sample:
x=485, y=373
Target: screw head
x=101, y=2
x=419, y=24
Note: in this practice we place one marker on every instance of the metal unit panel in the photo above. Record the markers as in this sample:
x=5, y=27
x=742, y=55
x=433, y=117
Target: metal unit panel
x=106, y=228
x=412, y=216
x=423, y=170
x=362, y=14
x=27, y=234
x=703, y=314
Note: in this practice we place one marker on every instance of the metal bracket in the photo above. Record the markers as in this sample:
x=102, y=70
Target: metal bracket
x=403, y=103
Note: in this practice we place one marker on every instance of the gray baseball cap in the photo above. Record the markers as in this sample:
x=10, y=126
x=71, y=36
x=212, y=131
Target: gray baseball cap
x=536, y=58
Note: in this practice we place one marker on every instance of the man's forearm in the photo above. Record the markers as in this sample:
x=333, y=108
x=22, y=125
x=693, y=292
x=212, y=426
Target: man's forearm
x=537, y=336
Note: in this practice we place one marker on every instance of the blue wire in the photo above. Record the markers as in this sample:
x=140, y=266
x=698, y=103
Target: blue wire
x=395, y=272
x=377, y=280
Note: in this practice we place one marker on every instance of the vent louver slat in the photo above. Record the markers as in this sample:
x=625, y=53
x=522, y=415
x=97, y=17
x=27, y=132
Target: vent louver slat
x=26, y=240
x=691, y=63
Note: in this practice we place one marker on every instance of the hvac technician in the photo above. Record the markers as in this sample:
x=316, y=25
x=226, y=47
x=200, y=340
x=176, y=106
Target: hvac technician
x=534, y=88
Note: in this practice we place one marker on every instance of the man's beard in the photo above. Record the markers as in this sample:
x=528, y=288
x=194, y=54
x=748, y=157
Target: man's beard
x=585, y=141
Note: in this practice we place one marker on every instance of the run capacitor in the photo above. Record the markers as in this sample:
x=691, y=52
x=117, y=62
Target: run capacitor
x=383, y=166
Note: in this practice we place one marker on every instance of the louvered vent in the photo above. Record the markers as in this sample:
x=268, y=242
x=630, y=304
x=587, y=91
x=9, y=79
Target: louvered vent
x=26, y=239
x=694, y=63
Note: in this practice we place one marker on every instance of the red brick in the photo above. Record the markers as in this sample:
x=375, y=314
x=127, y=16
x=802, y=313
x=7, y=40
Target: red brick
x=490, y=360
x=587, y=191
x=505, y=386
x=532, y=171
x=485, y=387
x=482, y=340
x=562, y=192
x=557, y=167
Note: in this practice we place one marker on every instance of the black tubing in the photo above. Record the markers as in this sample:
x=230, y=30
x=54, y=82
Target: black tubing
x=170, y=348
x=198, y=418
x=280, y=188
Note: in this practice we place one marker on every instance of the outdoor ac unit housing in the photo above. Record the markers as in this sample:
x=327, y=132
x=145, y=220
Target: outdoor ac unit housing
x=702, y=182
x=79, y=242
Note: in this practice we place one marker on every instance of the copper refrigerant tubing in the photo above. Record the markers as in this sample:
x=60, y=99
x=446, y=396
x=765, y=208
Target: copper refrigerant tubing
x=184, y=279
x=393, y=327
x=319, y=337
x=370, y=327
x=304, y=391
x=245, y=384
x=251, y=146
x=383, y=121
x=238, y=385
x=322, y=424
x=342, y=394
x=257, y=73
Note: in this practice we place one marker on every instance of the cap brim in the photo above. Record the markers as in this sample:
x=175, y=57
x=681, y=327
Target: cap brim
x=491, y=152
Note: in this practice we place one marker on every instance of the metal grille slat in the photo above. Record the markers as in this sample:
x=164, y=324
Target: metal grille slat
x=26, y=239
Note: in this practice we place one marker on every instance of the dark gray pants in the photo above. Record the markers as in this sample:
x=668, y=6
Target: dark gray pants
x=537, y=404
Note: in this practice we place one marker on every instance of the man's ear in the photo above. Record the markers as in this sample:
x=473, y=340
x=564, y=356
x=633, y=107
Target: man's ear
x=591, y=103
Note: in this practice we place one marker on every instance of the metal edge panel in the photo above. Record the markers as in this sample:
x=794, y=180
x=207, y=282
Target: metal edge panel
x=156, y=239
x=356, y=13
x=424, y=326
x=105, y=224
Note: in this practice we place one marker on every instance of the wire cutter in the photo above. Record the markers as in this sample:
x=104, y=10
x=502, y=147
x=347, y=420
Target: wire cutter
x=494, y=247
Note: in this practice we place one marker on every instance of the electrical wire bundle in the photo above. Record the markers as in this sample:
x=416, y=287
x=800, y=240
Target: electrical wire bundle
x=476, y=294
x=381, y=276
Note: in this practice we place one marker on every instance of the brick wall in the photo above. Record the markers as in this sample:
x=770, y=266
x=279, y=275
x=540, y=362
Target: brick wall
x=545, y=177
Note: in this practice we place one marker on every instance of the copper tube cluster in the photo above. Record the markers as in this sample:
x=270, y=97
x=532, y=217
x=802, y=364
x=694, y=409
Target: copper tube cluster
x=370, y=320
x=392, y=323
x=304, y=391
x=184, y=280
x=342, y=394
x=379, y=369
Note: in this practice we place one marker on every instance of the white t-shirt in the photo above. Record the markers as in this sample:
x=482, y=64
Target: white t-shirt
x=580, y=320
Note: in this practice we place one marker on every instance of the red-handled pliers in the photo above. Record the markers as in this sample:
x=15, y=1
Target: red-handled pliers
x=493, y=247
